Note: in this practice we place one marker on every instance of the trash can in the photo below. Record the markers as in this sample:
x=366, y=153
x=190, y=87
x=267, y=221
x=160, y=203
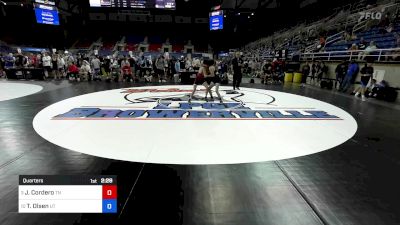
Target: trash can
x=288, y=77
x=297, y=78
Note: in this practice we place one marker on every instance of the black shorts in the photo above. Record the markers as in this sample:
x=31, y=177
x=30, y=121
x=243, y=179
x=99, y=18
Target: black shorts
x=48, y=68
x=215, y=80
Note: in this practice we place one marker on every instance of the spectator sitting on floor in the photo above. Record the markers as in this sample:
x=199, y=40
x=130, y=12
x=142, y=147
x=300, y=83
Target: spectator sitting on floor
x=73, y=72
x=377, y=89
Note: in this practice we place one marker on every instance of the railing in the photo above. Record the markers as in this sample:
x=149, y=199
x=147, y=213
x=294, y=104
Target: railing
x=379, y=55
x=334, y=38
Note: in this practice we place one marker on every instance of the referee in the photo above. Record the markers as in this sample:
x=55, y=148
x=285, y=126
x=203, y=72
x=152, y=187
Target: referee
x=237, y=64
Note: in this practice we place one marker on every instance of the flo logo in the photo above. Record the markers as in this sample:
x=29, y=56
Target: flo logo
x=173, y=104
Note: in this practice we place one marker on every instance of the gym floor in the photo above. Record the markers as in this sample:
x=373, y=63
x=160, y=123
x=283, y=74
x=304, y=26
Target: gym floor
x=353, y=183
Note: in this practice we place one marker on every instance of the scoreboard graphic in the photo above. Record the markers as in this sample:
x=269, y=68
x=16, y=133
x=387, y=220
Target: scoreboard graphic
x=217, y=20
x=67, y=194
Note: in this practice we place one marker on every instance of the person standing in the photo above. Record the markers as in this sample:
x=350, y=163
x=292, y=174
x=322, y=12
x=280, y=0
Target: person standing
x=340, y=72
x=366, y=73
x=9, y=61
x=46, y=59
x=237, y=64
x=96, y=68
x=60, y=67
x=160, y=64
x=351, y=74
x=305, y=72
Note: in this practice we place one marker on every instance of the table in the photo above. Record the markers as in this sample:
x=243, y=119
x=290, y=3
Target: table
x=25, y=73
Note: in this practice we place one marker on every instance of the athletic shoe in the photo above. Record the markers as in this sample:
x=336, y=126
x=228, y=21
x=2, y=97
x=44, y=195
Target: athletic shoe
x=363, y=98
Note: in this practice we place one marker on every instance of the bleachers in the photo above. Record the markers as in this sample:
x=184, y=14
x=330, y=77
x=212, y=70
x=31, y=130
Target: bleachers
x=306, y=36
x=382, y=40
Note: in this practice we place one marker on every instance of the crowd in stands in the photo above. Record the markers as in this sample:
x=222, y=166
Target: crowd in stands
x=81, y=67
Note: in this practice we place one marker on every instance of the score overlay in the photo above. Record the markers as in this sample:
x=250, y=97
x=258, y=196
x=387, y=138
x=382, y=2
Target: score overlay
x=67, y=194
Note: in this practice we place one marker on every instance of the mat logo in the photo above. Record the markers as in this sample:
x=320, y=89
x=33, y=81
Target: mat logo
x=175, y=104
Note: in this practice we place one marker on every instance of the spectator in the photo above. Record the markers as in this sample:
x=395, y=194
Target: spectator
x=84, y=71
x=19, y=60
x=32, y=60
x=160, y=64
x=125, y=62
x=46, y=59
x=107, y=68
x=54, y=65
x=126, y=72
x=188, y=64
x=321, y=69
x=196, y=64
x=73, y=72
x=305, y=73
x=96, y=68
x=132, y=62
x=2, y=64
x=68, y=58
x=362, y=45
x=372, y=47
x=60, y=67
x=352, y=72
x=340, y=72
x=390, y=28
x=366, y=74
x=9, y=61
x=353, y=47
x=313, y=71
x=394, y=55
x=384, y=22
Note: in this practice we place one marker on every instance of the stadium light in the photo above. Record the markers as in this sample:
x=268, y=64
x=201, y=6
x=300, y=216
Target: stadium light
x=252, y=14
x=4, y=3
